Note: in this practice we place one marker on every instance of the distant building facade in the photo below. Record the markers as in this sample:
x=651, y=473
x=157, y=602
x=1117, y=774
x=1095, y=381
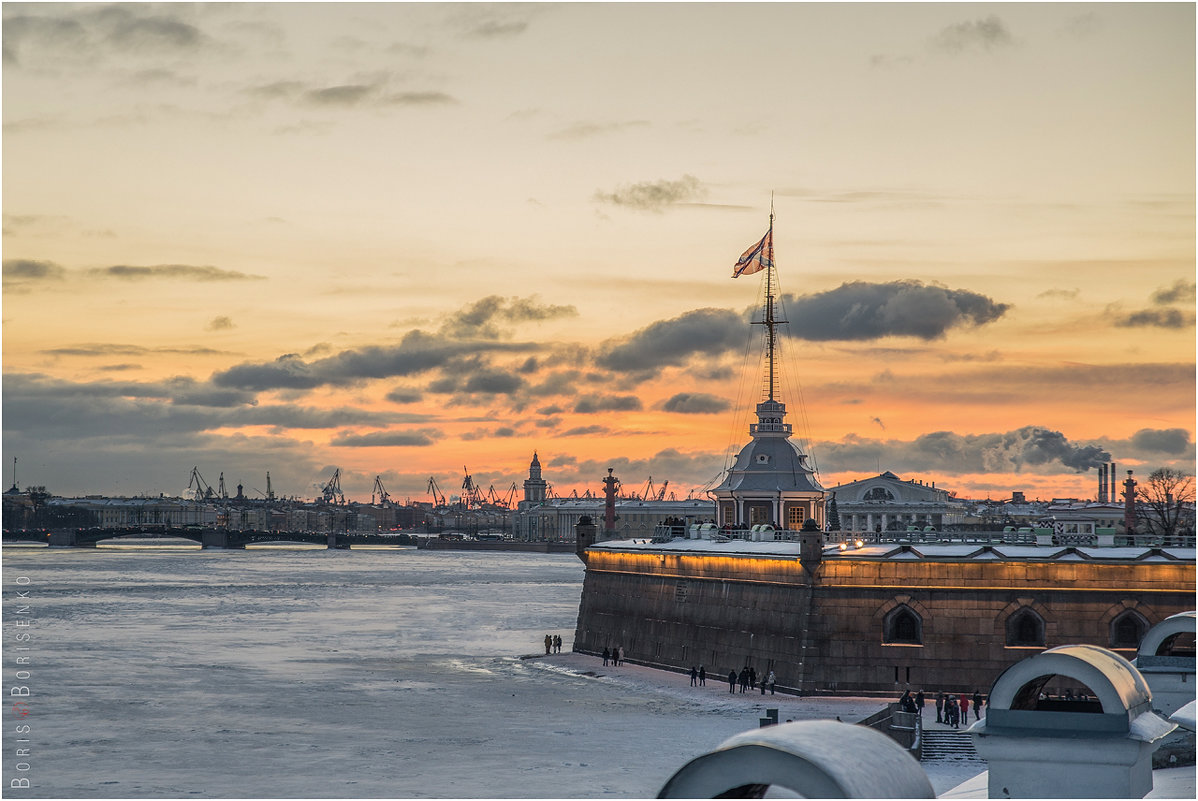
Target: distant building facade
x=886, y=502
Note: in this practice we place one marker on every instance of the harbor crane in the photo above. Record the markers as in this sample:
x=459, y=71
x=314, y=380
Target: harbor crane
x=471, y=495
x=201, y=489
x=383, y=495
x=331, y=492
x=435, y=491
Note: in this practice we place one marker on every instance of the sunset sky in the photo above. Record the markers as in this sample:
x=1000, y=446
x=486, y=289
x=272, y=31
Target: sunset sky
x=404, y=240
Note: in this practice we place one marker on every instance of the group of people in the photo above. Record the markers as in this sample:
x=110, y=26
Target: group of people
x=553, y=644
x=615, y=656
x=951, y=710
x=954, y=710
x=747, y=679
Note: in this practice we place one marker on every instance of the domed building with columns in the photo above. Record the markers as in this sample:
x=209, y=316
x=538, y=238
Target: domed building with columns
x=886, y=502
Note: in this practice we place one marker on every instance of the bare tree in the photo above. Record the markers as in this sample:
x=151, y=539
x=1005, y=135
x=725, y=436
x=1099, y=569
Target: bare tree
x=1167, y=501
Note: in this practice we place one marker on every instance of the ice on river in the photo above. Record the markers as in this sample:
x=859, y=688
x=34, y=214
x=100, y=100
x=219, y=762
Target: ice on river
x=359, y=674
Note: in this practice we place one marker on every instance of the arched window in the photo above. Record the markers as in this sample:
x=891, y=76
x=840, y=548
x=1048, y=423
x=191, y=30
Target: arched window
x=878, y=494
x=1128, y=629
x=902, y=626
x=1025, y=629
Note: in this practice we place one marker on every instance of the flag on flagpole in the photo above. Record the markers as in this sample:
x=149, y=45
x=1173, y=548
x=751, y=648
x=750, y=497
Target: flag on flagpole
x=756, y=258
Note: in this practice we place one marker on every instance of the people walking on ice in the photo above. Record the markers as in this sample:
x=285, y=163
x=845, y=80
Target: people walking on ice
x=731, y=681
x=702, y=676
x=620, y=654
x=606, y=656
x=548, y=644
x=694, y=676
x=557, y=643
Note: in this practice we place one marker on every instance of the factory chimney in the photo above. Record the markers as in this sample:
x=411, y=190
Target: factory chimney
x=1102, y=483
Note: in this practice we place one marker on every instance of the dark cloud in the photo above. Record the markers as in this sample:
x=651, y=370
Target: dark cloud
x=276, y=89
x=655, y=196
x=1182, y=291
x=862, y=311
x=417, y=352
x=494, y=21
x=419, y=99
x=39, y=32
x=344, y=95
x=113, y=349
x=155, y=32
x=1062, y=294
x=493, y=381
x=186, y=272
x=1029, y=448
x=503, y=432
x=695, y=403
x=547, y=410
x=705, y=332
x=607, y=403
x=404, y=395
x=1167, y=440
x=387, y=439
x=989, y=33
x=482, y=319
x=1156, y=318
x=585, y=431
x=221, y=323
x=23, y=272
x=586, y=130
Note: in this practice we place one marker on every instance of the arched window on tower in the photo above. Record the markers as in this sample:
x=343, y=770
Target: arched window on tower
x=1128, y=629
x=1025, y=629
x=902, y=626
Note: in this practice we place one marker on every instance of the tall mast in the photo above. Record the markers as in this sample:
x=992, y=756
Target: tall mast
x=769, y=322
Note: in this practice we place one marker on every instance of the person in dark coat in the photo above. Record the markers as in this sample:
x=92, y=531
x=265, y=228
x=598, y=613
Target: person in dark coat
x=752, y=678
x=731, y=681
x=744, y=679
x=977, y=705
x=694, y=676
x=702, y=676
x=606, y=655
x=940, y=707
x=919, y=700
x=548, y=644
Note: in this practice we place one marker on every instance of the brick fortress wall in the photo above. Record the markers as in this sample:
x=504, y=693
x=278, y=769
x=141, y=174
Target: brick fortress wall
x=723, y=612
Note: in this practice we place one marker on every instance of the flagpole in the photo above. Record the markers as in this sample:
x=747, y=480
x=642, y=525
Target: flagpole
x=769, y=301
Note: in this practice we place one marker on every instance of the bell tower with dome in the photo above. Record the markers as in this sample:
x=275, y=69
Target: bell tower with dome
x=535, y=487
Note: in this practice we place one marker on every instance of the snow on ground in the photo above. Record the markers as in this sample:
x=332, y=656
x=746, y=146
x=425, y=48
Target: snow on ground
x=650, y=682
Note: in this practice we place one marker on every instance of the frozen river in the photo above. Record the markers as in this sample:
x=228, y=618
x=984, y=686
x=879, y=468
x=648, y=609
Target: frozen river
x=334, y=674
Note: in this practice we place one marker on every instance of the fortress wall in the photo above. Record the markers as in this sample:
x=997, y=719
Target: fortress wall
x=725, y=611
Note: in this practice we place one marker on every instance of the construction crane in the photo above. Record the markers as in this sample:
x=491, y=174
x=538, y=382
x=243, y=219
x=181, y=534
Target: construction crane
x=202, y=489
x=661, y=495
x=331, y=492
x=438, y=496
x=222, y=491
x=384, y=496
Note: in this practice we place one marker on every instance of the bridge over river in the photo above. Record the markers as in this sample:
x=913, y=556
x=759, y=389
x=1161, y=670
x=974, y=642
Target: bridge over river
x=205, y=537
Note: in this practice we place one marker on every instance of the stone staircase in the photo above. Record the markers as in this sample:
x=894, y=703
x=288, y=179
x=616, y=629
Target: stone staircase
x=948, y=745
